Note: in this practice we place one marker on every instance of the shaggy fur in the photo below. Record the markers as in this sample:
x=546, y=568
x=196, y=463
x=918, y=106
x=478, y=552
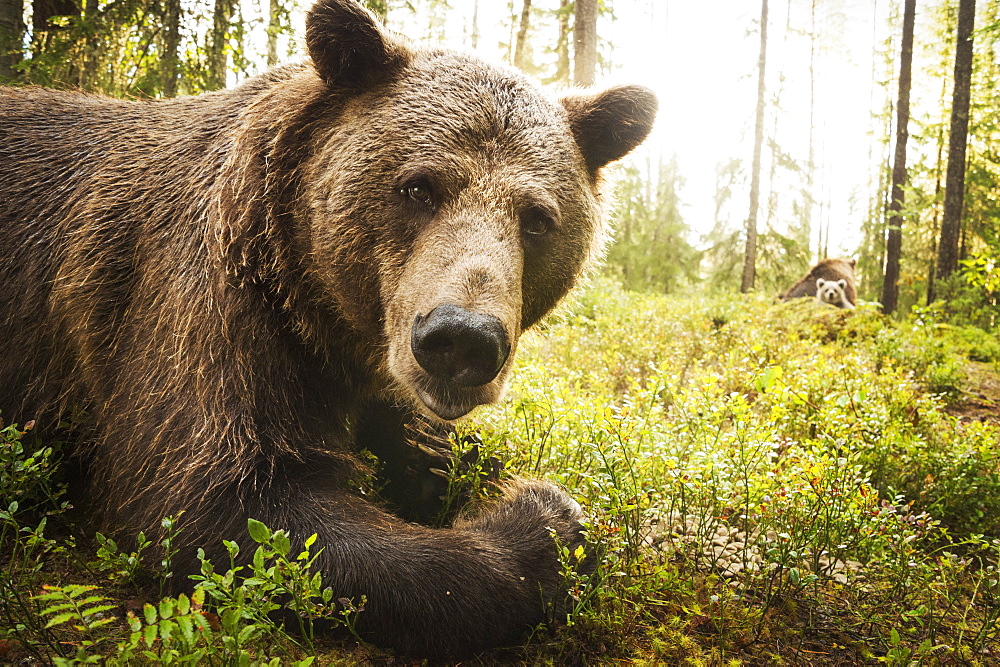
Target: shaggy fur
x=833, y=293
x=828, y=270
x=227, y=285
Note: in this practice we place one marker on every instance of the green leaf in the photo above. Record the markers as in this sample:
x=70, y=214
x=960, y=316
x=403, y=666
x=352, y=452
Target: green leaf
x=230, y=620
x=91, y=600
x=232, y=547
x=258, y=559
x=91, y=611
x=766, y=380
x=248, y=633
x=59, y=619
x=149, y=635
x=281, y=543
x=149, y=613
x=258, y=531
x=167, y=628
x=93, y=625
x=56, y=607
x=186, y=627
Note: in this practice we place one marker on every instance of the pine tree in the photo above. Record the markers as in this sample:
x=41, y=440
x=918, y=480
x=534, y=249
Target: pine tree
x=11, y=38
x=585, y=42
x=217, y=51
x=522, y=58
x=170, y=61
x=954, y=191
x=894, y=234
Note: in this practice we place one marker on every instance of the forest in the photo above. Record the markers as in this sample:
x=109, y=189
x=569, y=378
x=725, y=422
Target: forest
x=765, y=482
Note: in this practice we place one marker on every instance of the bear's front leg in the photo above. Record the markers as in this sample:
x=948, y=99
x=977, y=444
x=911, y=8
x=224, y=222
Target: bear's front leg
x=447, y=592
x=415, y=457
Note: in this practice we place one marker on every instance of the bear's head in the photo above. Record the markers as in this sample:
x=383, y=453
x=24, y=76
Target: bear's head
x=831, y=291
x=451, y=202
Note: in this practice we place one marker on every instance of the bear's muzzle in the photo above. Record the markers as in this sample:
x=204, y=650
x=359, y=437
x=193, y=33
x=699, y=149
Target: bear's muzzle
x=459, y=347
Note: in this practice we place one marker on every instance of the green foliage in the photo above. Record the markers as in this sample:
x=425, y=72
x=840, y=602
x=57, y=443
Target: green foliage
x=76, y=606
x=169, y=549
x=25, y=475
x=118, y=566
x=758, y=477
x=930, y=130
x=753, y=467
x=29, y=497
x=650, y=250
x=174, y=632
x=276, y=582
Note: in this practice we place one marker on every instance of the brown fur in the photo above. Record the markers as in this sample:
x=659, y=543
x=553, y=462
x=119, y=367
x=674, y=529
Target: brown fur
x=828, y=269
x=227, y=284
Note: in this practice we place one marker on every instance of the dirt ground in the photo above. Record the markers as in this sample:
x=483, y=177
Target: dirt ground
x=980, y=401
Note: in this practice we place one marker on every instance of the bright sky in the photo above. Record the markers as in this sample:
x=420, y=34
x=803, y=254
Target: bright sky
x=701, y=57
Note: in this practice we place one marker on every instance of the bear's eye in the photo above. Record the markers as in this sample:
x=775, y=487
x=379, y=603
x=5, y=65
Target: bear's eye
x=536, y=222
x=418, y=191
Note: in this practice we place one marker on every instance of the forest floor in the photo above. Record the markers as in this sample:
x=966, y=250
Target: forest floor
x=980, y=397
x=767, y=484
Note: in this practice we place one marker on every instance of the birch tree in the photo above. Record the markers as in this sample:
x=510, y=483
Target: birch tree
x=750, y=253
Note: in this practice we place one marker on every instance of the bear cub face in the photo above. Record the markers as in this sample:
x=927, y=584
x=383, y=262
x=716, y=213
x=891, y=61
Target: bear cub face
x=833, y=292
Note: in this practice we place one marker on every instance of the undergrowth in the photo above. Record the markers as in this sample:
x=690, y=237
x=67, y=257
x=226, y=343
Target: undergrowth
x=766, y=484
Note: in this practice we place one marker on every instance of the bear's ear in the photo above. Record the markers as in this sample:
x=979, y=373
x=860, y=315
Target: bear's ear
x=349, y=48
x=609, y=124
x=842, y=283
x=819, y=283
x=853, y=262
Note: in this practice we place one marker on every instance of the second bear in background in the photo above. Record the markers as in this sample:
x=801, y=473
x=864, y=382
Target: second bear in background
x=833, y=293
x=831, y=274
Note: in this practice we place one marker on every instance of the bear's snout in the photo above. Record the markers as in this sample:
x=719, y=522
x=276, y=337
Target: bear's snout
x=458, y=346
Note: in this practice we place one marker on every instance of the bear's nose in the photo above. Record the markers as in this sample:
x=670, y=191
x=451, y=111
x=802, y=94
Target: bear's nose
x=459, y=346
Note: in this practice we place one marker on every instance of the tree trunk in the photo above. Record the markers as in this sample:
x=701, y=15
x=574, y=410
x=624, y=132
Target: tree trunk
x=935, y=223
x=810, y=202
x=954, y=189
x=41, y=12
x=11, y=38
x=475, y=25
x=273, y=30
x=750, y=256
x=894, y=235
x=170, y=63
x=521, y=45
x=585, y=43
x=772, y=195
x=562, y=45
x=217, y=58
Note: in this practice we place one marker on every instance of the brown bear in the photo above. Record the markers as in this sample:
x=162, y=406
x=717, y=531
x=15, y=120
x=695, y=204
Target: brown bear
x=828, y=270
x=243, y=288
